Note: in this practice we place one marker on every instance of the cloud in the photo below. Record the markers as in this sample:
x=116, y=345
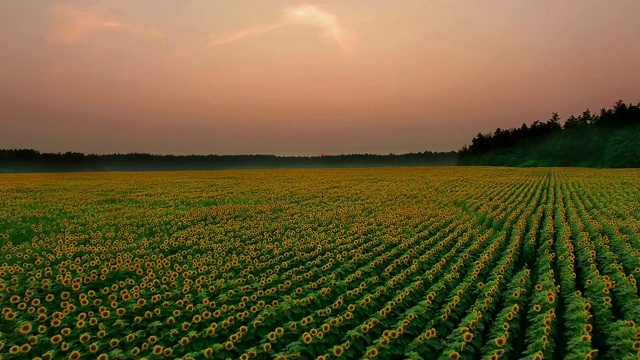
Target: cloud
x=242, y=34
x=306, y=15
x=69, y=24
x=326, y=21
x=310, y=15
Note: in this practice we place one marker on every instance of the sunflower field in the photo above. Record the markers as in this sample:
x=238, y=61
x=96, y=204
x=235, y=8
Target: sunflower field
x=397, y=263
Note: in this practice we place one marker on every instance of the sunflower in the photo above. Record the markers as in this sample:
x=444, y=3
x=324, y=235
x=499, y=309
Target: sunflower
x=84, y=338
x=55, y=339
x=25, y=328
x=157, y=350
x=184, y=341
x=338, y=351
x=551, y=299
x=468, y=337
x=384, y=341
x=210, y=331
x=25, y=348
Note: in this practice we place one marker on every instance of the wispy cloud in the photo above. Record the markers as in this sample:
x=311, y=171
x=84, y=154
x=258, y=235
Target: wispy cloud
x=70, y=23
x=305, y=15
x=310, y=15
x=242, y=34
x=326, y=21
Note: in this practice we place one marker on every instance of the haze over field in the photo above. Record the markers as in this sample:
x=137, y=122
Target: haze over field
x=302, y=78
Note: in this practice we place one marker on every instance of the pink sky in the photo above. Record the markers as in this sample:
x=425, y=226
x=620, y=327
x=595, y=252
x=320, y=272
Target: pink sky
x=302, y=78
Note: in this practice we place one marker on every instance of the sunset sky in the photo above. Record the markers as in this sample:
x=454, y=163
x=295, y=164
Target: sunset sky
x=302, y=78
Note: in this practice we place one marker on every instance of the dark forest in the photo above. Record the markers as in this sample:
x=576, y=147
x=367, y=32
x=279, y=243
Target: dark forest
x=608, y=139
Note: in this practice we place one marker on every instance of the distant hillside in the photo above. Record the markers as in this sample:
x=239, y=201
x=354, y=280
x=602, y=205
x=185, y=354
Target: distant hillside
x=28, y=160
x=608, y=139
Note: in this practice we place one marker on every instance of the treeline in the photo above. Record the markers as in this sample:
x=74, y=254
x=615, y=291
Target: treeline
x=28, y=160
x=610, y=138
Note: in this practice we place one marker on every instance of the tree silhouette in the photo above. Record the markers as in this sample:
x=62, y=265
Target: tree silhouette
x=586, y=140
x=27, y=160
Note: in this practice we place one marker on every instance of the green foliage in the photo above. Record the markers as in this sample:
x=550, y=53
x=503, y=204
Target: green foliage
x=610, y=139
x=423, y=263
x=623, y=149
